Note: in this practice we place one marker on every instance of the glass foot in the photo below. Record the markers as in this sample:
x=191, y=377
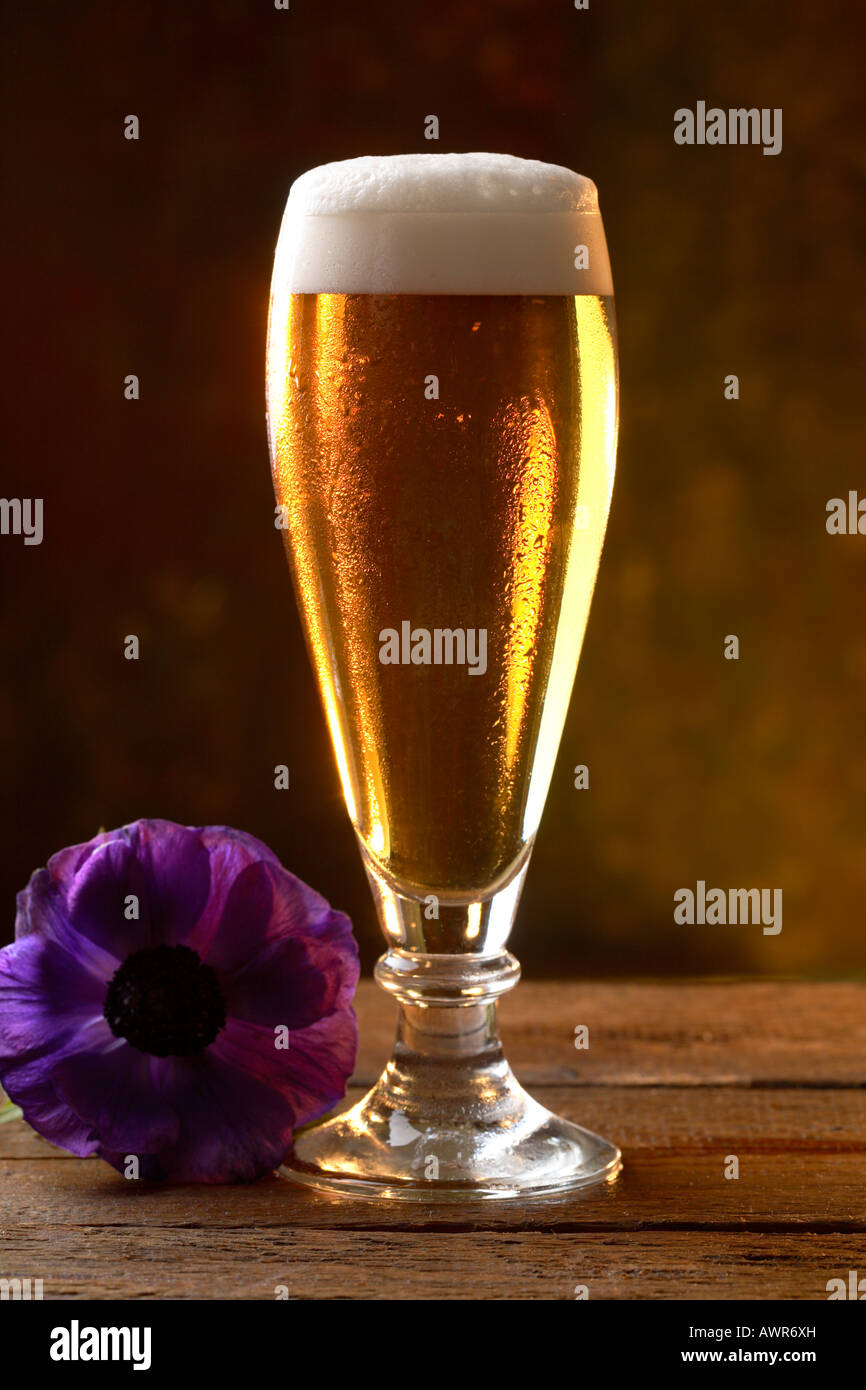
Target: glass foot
x=448, y=1121
x=374, y=1151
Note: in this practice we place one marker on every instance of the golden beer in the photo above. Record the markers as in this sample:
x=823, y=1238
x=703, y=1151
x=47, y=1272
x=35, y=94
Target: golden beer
x=444, y=462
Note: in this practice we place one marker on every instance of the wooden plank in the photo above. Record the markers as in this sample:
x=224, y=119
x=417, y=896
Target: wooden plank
x=244, y=1264
x=681, y=1075
x=654, y=1118
x=734, y=1033
x=796, y=1191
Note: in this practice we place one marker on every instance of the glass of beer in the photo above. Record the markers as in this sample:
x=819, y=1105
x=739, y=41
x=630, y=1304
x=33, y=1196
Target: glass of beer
x=442, y=414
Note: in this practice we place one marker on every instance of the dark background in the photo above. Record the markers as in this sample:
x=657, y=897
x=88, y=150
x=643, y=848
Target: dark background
x=154, y=258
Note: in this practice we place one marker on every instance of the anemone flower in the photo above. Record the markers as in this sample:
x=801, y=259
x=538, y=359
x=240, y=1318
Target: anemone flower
x=176, y=1002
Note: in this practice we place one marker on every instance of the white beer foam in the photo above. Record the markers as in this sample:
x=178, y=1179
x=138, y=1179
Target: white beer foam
x=441, y=183
x=442, y=224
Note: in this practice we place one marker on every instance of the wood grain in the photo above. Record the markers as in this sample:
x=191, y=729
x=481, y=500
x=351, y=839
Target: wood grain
x=681, y=1075
x=774, y=1192
x=244, y=1264
x=652, y=1118
x=760, y=1033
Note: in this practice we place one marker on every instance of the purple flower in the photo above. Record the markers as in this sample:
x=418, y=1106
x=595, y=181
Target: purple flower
x=176, y=996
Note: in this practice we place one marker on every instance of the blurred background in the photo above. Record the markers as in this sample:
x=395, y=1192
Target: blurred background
x=154, y=258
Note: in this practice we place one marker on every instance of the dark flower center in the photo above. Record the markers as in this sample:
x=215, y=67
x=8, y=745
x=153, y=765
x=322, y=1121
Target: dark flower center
x=164, y=1000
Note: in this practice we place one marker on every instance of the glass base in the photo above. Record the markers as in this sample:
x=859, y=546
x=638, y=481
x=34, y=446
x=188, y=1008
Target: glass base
x=370, y=1153
x=447, y=1120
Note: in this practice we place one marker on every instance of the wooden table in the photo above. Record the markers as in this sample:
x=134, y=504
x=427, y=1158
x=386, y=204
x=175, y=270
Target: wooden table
x=682, y=1076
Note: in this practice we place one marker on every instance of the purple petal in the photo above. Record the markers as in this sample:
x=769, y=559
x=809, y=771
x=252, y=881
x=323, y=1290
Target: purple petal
x=265, y=906
x=116, y=1094
x=51, y=1117
x=231, y=851
x=49, y=1008
x=177, y=874
x=43, y=912
x=233, y=1126
x=97, y=900
x=45, y=993
x=295, y=981
x=243, y=922
x=58, y=873
x=323, y=1058
x=311, y=1072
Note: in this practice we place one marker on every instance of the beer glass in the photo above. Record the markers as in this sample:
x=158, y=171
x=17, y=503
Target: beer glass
x=442, y=414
